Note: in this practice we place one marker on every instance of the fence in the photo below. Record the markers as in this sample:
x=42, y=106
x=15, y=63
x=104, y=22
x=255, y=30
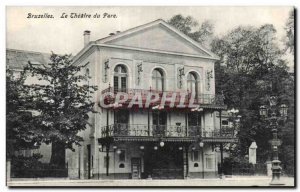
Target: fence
x=249, y=169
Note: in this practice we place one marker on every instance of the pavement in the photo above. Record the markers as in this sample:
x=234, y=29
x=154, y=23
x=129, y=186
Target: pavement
x=238, y=181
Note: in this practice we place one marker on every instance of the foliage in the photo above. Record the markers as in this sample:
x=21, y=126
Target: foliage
x=62, y=99
x=290, y=30
x=250, y=69
x=21, y=162
x=21, y=132
x=189, y=26
x=31, y=167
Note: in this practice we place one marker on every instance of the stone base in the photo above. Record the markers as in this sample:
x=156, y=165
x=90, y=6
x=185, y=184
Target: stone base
x=199, y=175
x=276, y=182
x=112, y=176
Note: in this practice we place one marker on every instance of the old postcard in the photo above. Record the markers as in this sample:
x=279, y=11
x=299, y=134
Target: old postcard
x=150, y=96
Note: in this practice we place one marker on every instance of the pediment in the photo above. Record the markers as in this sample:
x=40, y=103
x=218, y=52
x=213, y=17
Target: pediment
x=158, y=36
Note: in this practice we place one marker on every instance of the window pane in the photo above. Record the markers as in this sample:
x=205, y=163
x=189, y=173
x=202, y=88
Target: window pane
x=123, y=69
x=116, y=69
x=193, y=119
x=116, y=83
x=156, y=73
x=162, y=118
x=121, y=116
x=153, y=83
x=159, y=84
x=123, y=83
x=224, y=122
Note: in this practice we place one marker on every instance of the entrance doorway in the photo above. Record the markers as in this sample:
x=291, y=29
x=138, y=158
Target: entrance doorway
x=165, y=162
x=194, y=124
x=136, y=168
x=121, y=118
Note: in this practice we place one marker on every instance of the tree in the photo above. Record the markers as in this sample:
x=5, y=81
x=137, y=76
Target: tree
x=250, y=69
x=189, y=26
x=20, y=130
x=290, y=30
x=62, y=99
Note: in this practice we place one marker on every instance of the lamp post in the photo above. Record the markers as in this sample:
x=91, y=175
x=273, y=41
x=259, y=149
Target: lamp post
x=270, y=114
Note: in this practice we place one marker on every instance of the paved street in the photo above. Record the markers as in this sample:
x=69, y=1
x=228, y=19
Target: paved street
x=234, y=181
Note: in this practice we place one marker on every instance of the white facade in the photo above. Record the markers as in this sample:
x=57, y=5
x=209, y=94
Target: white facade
x=153, y=46
x=149, y=58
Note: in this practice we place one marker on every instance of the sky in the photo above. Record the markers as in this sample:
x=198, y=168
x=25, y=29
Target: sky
x=65, y=35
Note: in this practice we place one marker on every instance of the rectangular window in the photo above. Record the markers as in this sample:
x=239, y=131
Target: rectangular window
x=209, y=163
x=224, y=122
x=105, y=162
x=195, y=156
x=122, y=155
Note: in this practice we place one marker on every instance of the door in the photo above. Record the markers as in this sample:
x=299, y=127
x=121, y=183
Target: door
x=194, y=124
x=136, y=168
x=121, y=119
x=159, y=123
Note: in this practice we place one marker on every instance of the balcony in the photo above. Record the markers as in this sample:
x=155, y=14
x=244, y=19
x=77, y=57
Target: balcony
x=181, y=98
x=153, y=132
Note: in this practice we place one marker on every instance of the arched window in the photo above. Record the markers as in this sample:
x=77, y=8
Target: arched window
x=192, y=83
x=157, y=80
x=120, y=78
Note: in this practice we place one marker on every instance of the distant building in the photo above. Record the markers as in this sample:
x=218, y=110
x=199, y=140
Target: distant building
x=16, y=60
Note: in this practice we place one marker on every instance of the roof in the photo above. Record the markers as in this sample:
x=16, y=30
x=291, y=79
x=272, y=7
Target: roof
x=110, y=41
x=18, y=59
x=154, y=23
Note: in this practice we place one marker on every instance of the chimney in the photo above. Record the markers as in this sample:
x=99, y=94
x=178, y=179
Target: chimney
x=86, y=35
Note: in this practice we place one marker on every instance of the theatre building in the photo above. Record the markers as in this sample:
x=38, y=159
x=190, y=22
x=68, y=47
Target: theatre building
x=130, y=138
x=158, y=115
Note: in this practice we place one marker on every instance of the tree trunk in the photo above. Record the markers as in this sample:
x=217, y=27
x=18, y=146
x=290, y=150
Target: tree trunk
x=58, y=154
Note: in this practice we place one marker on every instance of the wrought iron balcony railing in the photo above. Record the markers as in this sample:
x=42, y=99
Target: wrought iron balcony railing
x=204, y=99
x=120, y=130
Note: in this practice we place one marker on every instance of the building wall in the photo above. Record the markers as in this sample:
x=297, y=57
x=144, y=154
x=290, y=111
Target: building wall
x=169, y=64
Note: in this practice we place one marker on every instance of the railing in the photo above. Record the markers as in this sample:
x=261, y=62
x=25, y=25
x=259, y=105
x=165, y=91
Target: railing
x=197, y=99
x=120, y=130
